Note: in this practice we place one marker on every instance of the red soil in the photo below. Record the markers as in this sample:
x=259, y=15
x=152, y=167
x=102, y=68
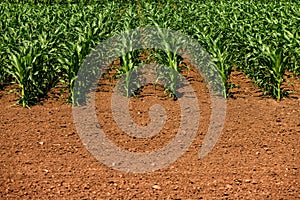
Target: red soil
x=256, y=157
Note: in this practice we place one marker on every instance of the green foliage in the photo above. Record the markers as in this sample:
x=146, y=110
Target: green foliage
x=44, y=42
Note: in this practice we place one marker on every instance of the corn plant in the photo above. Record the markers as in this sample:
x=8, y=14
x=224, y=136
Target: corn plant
x=273, y=64
x=29, y=69
x=291, y=40
x=41, y=45
x=129, y=62
x=168, y=70
x=3, y=59
x=168, y=59
x=217, y=47
x=71, y=58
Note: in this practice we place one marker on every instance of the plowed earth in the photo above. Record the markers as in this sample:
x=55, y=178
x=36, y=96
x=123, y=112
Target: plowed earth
x=256, y=157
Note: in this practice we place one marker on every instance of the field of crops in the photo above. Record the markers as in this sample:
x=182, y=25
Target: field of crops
x=43, y=43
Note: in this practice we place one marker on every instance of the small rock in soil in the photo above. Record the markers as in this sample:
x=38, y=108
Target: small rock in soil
x=157, y=187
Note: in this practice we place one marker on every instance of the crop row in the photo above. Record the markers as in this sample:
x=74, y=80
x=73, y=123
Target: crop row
x=43, y=43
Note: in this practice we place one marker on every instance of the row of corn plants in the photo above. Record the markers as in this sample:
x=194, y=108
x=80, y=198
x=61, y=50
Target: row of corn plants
x=42, y=46
x=43, y=43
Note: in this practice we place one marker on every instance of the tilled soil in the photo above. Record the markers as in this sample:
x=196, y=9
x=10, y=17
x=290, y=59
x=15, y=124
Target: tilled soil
x=256, y=157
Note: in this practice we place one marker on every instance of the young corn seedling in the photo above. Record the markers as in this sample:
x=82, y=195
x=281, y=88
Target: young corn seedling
x=217, y=47
x=128, y=70
x=167, y=70
x=71, y=58
x=169, y=60
x=221, y=56
x=28, y=69
x=292, y=40
x=273, y=64
x=129, y=59
x=129, y=62
x=3, y=59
